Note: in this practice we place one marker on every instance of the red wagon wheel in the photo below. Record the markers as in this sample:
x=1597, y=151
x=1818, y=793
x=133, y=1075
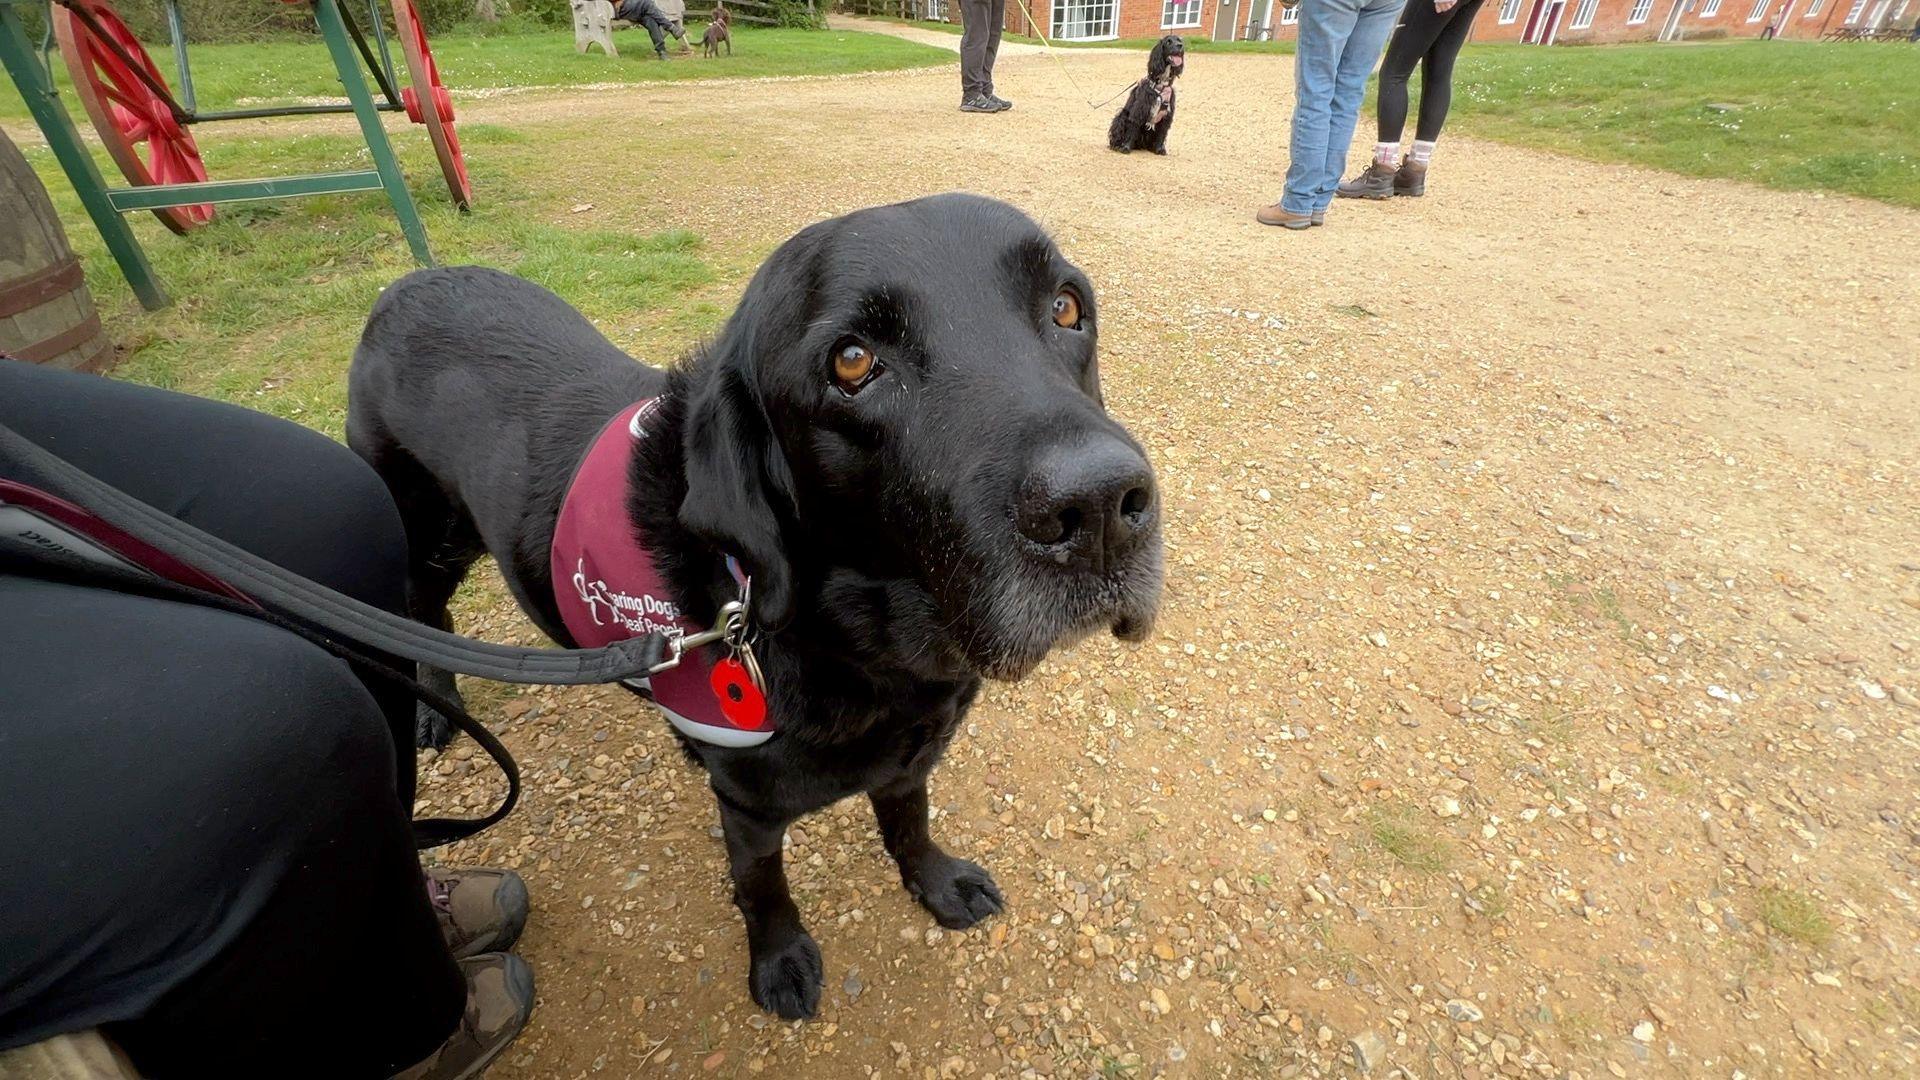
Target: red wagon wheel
x=436, y=110
x=136, y=124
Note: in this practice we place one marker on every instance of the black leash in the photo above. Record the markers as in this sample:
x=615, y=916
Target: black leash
x=329, y=620
x=315, y=604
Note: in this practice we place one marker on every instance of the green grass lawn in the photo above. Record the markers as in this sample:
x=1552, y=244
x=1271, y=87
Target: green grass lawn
x=269, y=299
x=275, y=72
x=1804, y=115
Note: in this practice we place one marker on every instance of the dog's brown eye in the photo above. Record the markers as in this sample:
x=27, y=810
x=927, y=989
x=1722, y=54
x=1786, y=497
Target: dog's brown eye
x=1066, y=309
x=853, y=365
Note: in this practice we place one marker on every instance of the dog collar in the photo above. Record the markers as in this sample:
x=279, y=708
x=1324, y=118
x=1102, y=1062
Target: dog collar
x=608, y=587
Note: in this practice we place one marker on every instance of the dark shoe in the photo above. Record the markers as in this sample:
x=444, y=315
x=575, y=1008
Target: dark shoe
x=1286, y=219
x=480, y=911
x=978, y=103
x=1000, y=104
x=499, y=1000
x=1411, y=180
x=1376, y=183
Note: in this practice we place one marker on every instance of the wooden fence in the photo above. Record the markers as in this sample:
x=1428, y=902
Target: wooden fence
x=757, y=12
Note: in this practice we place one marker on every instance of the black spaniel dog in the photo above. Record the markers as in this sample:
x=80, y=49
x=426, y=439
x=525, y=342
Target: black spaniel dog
x=1143, y=122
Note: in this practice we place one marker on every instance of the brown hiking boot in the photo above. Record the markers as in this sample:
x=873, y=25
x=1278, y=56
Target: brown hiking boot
x=1411, y=180
x=1376, y=183
x=1286, y=219
x=499, y=1000
x=479, y=910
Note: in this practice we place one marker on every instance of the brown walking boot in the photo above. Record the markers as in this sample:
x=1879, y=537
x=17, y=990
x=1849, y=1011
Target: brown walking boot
x=1376, y=183
x=1286, y=219
x=499, y=1000
x=1411, y=180
x=479, y=910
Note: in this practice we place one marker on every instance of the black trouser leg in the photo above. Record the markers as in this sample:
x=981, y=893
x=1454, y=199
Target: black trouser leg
x=1429, y=40
x=203, y=851
x=978, y=39
x=1419, y=24
x=997, y=20
x=1436, y=71
x=656, y=29
x=285, y=493
x=203, y=844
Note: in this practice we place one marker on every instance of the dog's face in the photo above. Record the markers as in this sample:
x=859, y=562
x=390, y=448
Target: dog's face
x=905, y=414
x=1169, y=55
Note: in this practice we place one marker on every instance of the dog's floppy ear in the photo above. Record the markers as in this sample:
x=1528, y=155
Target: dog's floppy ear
x=740, y=492
x=1157, y=59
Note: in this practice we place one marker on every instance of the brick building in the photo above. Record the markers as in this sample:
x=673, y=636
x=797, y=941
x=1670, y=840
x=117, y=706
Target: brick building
x=1536, y=22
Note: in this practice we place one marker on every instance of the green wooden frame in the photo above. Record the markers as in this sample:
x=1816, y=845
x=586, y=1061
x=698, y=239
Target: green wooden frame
x=28, y=68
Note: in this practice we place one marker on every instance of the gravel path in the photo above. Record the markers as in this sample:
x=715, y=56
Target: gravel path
x=1536, y=691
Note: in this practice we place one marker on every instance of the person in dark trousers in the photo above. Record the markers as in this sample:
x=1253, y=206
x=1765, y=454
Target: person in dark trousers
x=981, y=22
x=659, y=24
x=1429, y=37
x=206, y=839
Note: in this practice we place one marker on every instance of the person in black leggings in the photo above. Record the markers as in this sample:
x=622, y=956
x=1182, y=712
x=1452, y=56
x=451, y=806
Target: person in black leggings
x=1429, y=37
x=205, y=839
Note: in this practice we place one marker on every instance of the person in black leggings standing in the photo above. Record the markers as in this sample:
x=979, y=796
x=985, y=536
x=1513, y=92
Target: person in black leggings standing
x=205, y=847
x=1429, y=37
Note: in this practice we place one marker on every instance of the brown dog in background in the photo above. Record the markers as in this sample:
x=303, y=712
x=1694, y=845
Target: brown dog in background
x=717, y=32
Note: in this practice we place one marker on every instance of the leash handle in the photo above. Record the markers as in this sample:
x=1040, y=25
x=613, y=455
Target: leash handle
x=308, y=602
x=62, y=565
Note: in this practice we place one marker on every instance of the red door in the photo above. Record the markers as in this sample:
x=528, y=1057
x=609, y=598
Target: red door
x=1543, y=22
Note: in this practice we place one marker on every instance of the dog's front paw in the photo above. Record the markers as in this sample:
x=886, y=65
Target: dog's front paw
x=431, y=731
x=786, y=979
x=1162, y=153
x=958, y=892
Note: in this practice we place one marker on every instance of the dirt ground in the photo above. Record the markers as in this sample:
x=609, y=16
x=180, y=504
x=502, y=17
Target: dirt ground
x=1535, y=690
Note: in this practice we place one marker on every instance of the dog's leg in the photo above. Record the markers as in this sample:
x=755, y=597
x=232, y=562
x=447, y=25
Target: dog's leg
x=441, y=544
x=785, y=968
x=958, y=892
x=432, y=579
x=1158, y=144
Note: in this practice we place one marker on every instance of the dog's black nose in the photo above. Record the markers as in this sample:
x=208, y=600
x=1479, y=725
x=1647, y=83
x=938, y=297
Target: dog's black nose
x=1087, y=504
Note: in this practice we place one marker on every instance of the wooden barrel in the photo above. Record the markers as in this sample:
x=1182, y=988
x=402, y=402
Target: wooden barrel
x=46, y=314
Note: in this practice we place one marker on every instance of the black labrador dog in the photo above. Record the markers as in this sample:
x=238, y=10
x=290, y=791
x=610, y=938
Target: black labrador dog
x=900, y=434
x=1144, y=121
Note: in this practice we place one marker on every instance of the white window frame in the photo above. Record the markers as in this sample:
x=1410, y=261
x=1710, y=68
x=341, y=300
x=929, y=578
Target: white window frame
x=1759, y=10
x=1172, y=11
x=1509, y=11
x=1583, y=14
x=1290, y=16
x=1063, y=29
x=1641, y=9
x=1709, y=9
x=1853, y=15
x=1814, y=8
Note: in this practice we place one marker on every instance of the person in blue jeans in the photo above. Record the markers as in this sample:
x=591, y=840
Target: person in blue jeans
x=1339, y=42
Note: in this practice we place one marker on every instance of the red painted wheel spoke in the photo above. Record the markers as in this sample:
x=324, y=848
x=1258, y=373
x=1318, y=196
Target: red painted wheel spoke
x=428, y=101
x=135, y=123
x=142, y=108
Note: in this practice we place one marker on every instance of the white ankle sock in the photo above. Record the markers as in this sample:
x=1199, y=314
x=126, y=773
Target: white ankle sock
x=1421, y=154
x=1387, y=154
